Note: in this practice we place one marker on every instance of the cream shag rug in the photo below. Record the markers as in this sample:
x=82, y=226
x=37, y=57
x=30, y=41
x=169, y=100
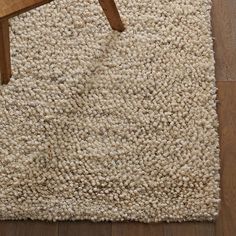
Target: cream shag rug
x=107, y=126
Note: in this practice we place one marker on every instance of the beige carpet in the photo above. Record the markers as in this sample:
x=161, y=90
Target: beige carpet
x=107, y=126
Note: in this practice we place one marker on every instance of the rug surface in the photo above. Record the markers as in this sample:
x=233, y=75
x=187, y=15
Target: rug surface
x=102, y=125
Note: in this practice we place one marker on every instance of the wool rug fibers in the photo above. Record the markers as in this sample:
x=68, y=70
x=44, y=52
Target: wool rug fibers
x=102, y=125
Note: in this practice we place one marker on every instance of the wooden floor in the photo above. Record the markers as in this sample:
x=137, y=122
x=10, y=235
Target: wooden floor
x=224, y=32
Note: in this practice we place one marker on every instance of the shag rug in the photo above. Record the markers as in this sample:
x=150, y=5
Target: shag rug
x=102, y=125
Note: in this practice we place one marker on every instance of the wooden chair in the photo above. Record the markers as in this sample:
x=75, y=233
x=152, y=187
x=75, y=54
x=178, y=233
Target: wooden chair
x=11, y=8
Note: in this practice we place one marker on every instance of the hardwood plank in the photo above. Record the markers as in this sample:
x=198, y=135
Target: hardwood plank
x=137, y=229
x=226, y=223
x=205, y=228
x=8, y=228
x=84, y=228
x=28, y=228
x=224, y=32
x=179, y=229
x=189, y=229
x=15, y=7
x=37, y=228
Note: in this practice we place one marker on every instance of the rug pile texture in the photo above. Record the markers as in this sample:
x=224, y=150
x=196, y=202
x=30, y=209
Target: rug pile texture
x=102, y=125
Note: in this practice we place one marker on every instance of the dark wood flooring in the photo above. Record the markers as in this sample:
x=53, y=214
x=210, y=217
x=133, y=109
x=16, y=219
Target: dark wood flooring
x=224, y=32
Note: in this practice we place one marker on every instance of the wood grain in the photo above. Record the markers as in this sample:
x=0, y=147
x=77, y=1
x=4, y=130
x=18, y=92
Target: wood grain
x=224, y=33
x=226, y=223
x=189, y=229
x=84, y=228
x=137, y=229
x=28, y=228
x=8, y=228
x=205, y=229
x=5, y=58
x=10, y=8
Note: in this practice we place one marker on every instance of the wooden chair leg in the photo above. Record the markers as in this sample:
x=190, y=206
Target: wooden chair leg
x=112, y=14
x=5, y=59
